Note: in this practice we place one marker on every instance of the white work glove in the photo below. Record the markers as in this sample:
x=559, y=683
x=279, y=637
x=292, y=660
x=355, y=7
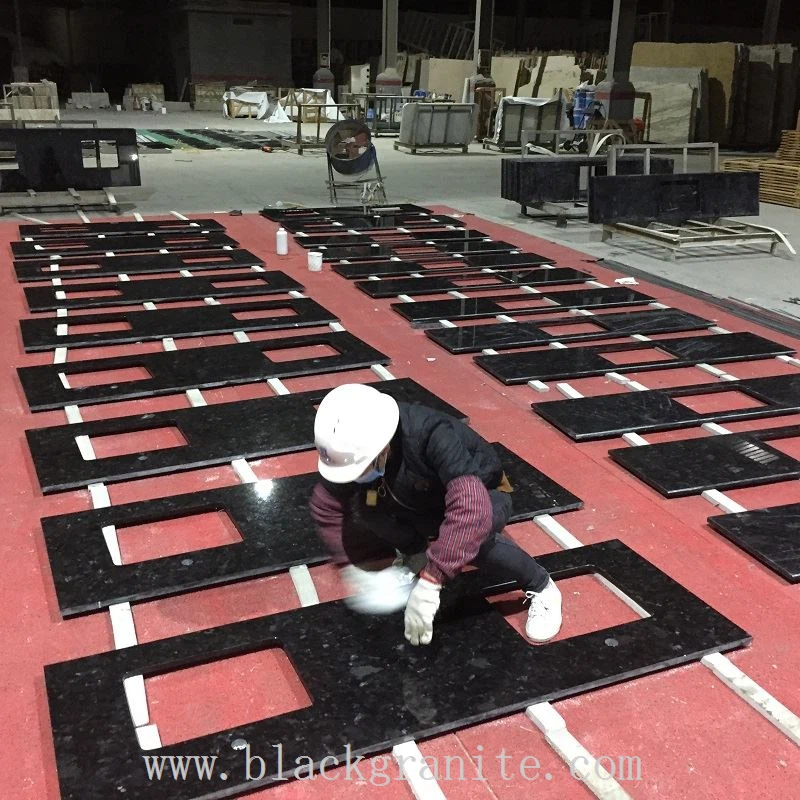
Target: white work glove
x=382, y=592
x=420, y=611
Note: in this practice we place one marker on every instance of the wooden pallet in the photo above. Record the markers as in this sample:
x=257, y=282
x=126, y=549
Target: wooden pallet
x=780, y=183
x=789, y=149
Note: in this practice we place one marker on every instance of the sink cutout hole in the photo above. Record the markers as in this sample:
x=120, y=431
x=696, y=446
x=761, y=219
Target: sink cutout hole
x=588, y=605
x=224, y=694
x=122, y=444
x=80, y=380
x=299, y=353
x=78, y=295
x=718, y=402
x=637, y=356
x=572, y=329
x=242, y=316
x=242, y=282
x=96, y=327
x=170, y=537
x=789, y=446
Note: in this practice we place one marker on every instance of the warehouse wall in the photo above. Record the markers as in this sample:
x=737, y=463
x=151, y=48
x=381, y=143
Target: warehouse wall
x=225, y=46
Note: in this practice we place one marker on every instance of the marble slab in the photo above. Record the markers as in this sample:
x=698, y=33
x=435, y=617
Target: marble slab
x=214, y=435
x=160, y=290
x=673, y=110
x=584, y=362
x=369, y=688
x=122, y=228
x=143, y=326
x=49, y=386
x=492, y=282
x=771, y=535
x=510, y=335
x=74, y=267
x=271, y=516
x=725, y=461
x=148, y=243
x=605, y=416
x=430, y=312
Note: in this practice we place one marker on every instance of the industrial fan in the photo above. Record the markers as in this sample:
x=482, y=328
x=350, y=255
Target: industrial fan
x=350, y=152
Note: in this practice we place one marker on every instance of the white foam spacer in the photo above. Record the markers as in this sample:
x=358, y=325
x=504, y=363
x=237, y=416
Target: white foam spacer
x=445, y=323
x=60, y=355
x=241, y=337
x=61, y=329
x=99, y=494
x=635, y=386
x=382, y=372
x=186, y=274
x=294, y=293
x=304, y=585
x=634, y=439
x=458, y=295
x=123, y=277
x=137, y=700
x=148, y=306
x=529, y=290
x=405, y=298
x=149, y=738
x=557, y=532
x=597, y=284
x=711, y=370
x=60, y=295
x=717, y=329
x=504, y=318
x=489, y=352
x=712, y=427
x=211, y=301
x=641, y=337
x=85, y=446
x=568, y=391
x=277, y=386
x=617, y=378
x=112, y=543
x=539, y=386
x=244, y=471
x=337, y=327
x=169, y=344
x=415, y=771
x=122, y=625
x=195, y=397
x=657, y=305
x=717, y=498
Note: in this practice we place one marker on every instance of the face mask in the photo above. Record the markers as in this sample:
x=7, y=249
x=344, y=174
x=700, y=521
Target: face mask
x=370, y=476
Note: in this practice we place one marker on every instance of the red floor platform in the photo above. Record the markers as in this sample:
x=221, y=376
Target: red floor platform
x=693, y=736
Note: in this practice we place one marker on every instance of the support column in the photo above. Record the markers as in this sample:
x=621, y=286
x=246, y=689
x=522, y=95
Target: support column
x=20, y=70
x=389, y=80
x=323, y=77
x=769, y=30
x=519, y=25
x=616, y=92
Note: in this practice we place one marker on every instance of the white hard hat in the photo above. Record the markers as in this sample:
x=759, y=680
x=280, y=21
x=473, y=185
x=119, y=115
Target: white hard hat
x=353, y=425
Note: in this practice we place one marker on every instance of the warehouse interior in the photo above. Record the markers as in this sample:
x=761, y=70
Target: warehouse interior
x=402, y=401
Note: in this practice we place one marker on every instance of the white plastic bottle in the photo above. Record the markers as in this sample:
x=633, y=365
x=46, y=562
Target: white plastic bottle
x=282, y=242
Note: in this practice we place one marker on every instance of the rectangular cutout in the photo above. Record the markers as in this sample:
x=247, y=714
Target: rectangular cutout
x=790, y=446
x=78, y=295
x=718, y=402
x=531, y=301
x=588, y=606
x=101, y=327
x=297, y=353
x=637, y=356
x=242, y=282
x=99, y=153
x=224, y=694
x=242, y=316
x=170, y=537
x=8, y=155
x=571, y=330
x=120, y=444
x=79, y=380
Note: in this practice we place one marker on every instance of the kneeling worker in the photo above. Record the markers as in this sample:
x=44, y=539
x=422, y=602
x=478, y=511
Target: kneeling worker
x=404, y=480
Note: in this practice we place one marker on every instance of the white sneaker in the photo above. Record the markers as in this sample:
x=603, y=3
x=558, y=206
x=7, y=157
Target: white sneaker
x=544, y=614
x=381, y=592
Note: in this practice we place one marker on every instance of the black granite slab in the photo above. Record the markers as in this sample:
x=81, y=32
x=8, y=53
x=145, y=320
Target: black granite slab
x=412, y=238
x=508, y=335
x=583, y=362
x=45, y=269
x=334, y=212
x=493, y=281
x=407, y=267
x=726, y=461
x=369, y=688
x=477, y=246
x=672, y=198
x=429, y=312
x=506, y=260
x=772, y=535
x=144, y=243
x=201, y=320
x=121, y=228
x=271, y=516
x=377, y=251
x=198, y=367
x=373, y=222
x=602, y=417
x=159, y=290
x=215, y=434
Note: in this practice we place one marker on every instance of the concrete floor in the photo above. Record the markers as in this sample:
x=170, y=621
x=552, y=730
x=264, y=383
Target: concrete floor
x=202, y=181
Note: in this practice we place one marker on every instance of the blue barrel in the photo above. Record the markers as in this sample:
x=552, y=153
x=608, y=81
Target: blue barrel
x=582, y=105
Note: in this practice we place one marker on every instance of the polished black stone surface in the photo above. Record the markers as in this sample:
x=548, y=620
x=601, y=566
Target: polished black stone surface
x=126, y=228
x=47, y=298
x=215, y=434
x=659, y=410
x=378, y=251
x=271, y=516
x=56, y=159
x=369, y=688
x=477, y=246
x=672, y=198
x=583, y=362
x=143, y=243
x=45, y=269
x=397, y=269
x=334, y=212
x=506, y=260
x=201, y=320
x=772, y=535
x=726, y=461
x=429, y=312
x=508, y=335
x=198, y=367
x=372, y=222
x=413, y=238
x=490, y=282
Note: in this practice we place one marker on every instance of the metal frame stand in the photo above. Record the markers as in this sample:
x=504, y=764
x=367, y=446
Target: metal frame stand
x=371, y=190
x=56, y=201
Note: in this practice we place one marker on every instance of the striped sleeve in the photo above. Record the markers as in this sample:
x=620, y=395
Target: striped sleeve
x=467, y=523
